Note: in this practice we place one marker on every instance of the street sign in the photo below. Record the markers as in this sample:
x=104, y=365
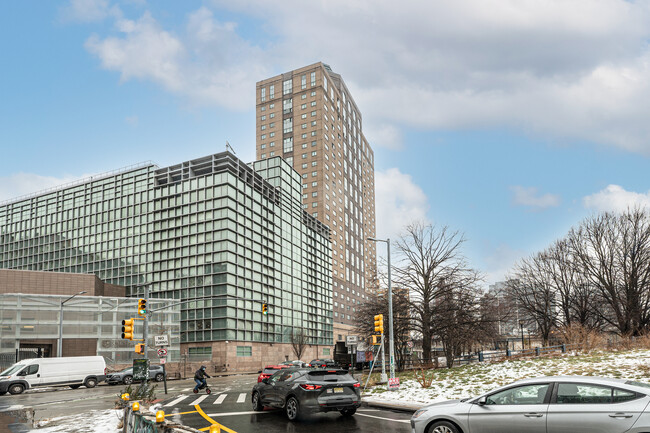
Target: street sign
x=161, y=340
x=393, y=383
x=163, y=360
x=351, y=340
x=162, y=352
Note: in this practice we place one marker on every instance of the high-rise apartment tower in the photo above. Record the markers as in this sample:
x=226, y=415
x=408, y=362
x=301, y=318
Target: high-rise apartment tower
x=309, y=117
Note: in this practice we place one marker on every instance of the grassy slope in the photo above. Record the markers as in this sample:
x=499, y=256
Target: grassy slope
x=475, y=379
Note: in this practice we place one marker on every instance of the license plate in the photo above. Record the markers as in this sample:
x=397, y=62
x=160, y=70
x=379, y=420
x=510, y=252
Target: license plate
x=338, y=389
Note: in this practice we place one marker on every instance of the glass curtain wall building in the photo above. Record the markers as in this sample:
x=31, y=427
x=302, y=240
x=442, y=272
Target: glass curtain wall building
x=224, y=235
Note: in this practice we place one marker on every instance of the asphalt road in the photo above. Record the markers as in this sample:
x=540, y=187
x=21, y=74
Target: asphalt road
x=229, y=405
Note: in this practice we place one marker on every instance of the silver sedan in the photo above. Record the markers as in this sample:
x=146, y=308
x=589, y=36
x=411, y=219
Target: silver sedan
x=565, y=404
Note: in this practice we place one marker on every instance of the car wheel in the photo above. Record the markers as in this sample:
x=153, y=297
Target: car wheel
x=74, y=386
x=349, y=411
x=257, y=402
x=292, y=408
x=16, y=388
x=127, y=380
x=90, y=383
x=443, y=427
x=160, y=377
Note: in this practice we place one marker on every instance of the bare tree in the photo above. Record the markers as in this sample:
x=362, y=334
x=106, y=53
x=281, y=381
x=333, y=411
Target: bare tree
x=614, y=251
x=378, y=304
x=299, y=341
x=430, y=257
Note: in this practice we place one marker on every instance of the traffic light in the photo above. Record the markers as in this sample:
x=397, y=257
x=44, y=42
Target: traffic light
x=265, y=309
x=139, y=349
x=379, y=323
x=376, y=340
x=142, y=307
x=127, y=329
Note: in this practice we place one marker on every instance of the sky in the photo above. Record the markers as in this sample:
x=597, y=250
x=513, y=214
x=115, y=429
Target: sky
x=508, y=121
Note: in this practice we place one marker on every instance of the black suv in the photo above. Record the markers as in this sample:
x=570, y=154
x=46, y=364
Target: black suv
x=301, y=390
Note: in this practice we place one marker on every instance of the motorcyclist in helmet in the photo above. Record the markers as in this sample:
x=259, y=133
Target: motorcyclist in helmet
x=199, y=378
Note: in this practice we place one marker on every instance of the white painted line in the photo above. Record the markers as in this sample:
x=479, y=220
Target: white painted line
x=188, y=389
x=239, y=413
x=199, y=400
x=221, y=398
x=242, y=397
x=368, y=410
x=179, y=399
x=387, y=419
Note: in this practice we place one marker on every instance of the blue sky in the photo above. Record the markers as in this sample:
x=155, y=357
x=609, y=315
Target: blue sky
x=509, y=123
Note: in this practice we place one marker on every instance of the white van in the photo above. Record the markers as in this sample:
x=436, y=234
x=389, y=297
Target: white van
x=41, y=372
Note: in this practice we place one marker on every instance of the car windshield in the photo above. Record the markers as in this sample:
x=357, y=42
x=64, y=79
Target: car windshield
x=12, y=370
x=330, y=376
x=270, y=370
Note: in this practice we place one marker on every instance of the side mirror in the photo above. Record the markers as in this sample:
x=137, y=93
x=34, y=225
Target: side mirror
x=259, y=372
x=482, y=401
x=265, y=380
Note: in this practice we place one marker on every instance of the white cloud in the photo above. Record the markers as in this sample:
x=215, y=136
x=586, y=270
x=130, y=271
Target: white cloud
x=530, y=197
x=399, y=201
x=499, y=261
x=88, y=10
x=21, y=184
x=616, y=198
x=208, y=64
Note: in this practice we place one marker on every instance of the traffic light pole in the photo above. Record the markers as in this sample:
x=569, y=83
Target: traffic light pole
x=146, y=329
x=390, y=318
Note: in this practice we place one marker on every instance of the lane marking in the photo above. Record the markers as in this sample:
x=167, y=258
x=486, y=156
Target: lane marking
x=211, y=421
x=199, y=400
x=242, y=397
x=179, y=399
x=240, y=413
x=220, y=399
x=368, y=410
x=387, y=419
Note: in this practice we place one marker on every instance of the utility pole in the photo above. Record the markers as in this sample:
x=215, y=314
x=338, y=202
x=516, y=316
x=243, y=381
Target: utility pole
x=146, y=328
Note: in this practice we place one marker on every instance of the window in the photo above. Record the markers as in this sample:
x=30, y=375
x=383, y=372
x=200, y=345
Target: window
x=287, y=125
x=287, y=144
x=583, y=393
x=263, y=136
x=620, y=395
x=271, y=92
x=287, y=87
x=287, y=106
x=303, y=81
x=313, y=79
x=526, y=394
x=244, y=350
x=263, y=117
x=303, y=106
x=200, y=353
x=313, y=103
x=263, y=94
x=326, y=351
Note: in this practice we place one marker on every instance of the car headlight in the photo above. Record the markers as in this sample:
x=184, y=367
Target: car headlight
x=419, y=412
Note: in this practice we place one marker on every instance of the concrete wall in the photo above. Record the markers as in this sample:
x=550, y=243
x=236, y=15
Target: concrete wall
x=55, y=283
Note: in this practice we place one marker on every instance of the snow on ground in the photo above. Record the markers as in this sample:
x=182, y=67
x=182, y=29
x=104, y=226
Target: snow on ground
x=475, y=379
x=97, y=421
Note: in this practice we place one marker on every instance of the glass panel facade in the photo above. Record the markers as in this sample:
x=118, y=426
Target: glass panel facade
x=224, y=235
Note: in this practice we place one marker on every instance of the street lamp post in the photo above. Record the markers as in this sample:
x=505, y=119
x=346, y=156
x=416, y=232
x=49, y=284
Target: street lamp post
x=391, y=341
x=59, y=348
x=521, y=326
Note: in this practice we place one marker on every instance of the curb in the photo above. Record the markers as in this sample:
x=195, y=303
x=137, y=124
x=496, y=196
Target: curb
x=394, y=405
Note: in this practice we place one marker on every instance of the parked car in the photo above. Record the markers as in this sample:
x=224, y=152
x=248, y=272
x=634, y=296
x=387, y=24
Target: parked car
x=323, y=363
x=72, y=371
x=306, y=390
x=126, y=376
x=269, y=370
x=544, y=405
x=296, y=363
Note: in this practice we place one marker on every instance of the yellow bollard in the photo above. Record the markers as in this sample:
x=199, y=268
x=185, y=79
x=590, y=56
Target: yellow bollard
x=160, y=416
x=214, y=428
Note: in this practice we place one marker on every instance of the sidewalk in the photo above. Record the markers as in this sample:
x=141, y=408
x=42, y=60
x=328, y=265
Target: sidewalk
x=391, y=404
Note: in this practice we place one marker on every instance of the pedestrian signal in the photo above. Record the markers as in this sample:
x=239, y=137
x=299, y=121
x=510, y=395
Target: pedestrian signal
x=379, y=323
x=139, y=349
x=127, y=329
x=376, y=340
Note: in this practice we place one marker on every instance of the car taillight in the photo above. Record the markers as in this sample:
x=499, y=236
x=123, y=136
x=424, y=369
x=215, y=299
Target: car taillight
x=310, y=387
x=357, y=385
x=105, y=371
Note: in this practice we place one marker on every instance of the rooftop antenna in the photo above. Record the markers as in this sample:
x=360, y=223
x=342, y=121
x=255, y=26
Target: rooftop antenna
x=228, y=146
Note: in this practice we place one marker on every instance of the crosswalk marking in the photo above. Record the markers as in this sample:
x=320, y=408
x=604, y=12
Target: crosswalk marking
x=242, y=397
x=199, y=400
x=179, y=399
x=220, y=399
